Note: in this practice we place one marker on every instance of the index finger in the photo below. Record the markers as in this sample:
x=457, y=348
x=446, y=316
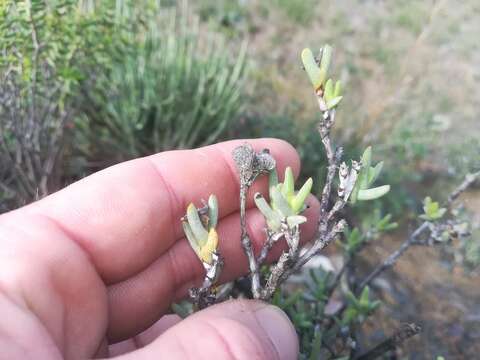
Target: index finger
x=127, y=215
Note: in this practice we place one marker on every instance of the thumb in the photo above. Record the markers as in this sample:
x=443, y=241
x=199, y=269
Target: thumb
x=237, y=329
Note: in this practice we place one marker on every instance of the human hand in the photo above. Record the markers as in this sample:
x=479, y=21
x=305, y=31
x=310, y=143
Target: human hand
x=100, y=262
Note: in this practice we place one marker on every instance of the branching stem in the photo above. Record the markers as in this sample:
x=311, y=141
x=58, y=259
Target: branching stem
x=247, y=243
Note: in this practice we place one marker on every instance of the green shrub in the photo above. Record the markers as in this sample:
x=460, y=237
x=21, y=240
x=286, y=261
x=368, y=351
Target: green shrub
x=45, y=48
x=100, y=82
x=173, y=89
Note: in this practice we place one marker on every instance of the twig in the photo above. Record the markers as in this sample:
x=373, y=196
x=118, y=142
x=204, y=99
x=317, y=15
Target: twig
x=413, y=238
x=318, y=245
x=392, y=259
x=333, y=157
x=272, y=238
x=467, y=182
x=203, y=297
x=249, y=166
x=405, y=332
x=247, y=243
x=287, y=260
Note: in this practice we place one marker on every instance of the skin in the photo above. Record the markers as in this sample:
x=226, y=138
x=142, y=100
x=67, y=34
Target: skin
x=91, y=271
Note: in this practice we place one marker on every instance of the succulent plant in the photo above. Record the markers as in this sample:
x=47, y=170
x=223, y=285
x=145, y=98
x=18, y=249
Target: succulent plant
x=366, y=177
x=317, y=74
x=286, y=204
x=199, y=227
x=432, y=210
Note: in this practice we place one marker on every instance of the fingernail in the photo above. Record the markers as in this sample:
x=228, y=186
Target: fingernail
x=279, y=329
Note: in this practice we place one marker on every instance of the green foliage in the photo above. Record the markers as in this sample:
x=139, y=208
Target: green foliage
x=306, y=309
x=46, y=48
x=285, y=203
x=358, y=308
x=378, y=224
x=432, y=210
x=320, y=331
x=200, y=230
x=318, y=75
x=373, y=225
x=102, y=82
x=366, y=177
x=353, y=240
x=171, y=90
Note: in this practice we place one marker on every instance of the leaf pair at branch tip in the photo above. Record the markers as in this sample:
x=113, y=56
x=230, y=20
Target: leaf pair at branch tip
x=318, y=74
x=285, y=204
x=200, y=230
x=432, y=210
x=367, y=176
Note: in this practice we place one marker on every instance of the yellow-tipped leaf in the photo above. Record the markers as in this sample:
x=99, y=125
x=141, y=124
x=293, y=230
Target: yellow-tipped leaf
x=196, y=224
x=210, y=247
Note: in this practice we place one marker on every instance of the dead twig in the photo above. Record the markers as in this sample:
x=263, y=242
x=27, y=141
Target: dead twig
x=435, y=231
x=250, y=165
x=405, y=332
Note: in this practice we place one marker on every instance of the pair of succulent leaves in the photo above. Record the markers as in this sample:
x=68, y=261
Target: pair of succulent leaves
x=367, y=175
x=199, y=227
x=317, y=72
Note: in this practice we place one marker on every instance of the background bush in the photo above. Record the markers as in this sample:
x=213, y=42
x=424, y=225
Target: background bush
x=172, y=89
x=46, y=50
x=86, y=84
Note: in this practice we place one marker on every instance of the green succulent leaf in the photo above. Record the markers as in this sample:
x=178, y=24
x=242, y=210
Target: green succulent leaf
x=298, y=201
x=272, y=181
x=312, y=69
x=374, y=193
x=190, y=237
x=212, y=211
x=334, y=102
x=279, y=203
x=352, y=300
x=374, y=172
x=353, y=240
x=366, y=163
x=295, y=220
x=328, y=92
x=273, y=219
x=364, y=300
x=385, y=225
x=432, y=210
x=325, y=63
x=196, y=225
x=366, y=177
x=338, y=89
x=288, y=184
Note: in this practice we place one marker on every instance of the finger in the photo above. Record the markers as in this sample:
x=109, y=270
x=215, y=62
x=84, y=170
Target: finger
x=146, y=337
x=140, y=301
x=126, y=216
x=240, y=329
x=52, y=280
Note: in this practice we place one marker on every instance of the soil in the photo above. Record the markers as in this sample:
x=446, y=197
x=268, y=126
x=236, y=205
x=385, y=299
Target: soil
x=424, y=289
